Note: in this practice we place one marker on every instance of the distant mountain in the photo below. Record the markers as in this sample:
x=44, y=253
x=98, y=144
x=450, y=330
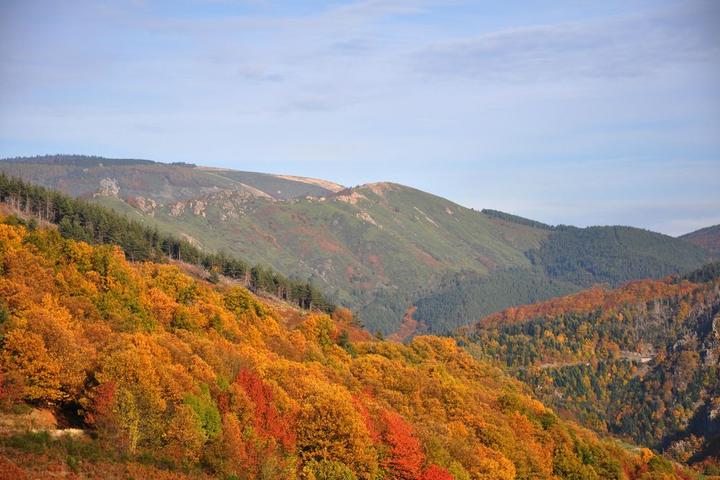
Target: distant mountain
x=640, y=361
x=379, y=249
x=154, y=182
x=708, y=238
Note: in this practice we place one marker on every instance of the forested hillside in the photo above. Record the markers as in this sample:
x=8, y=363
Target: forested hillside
x=380, y=249
x=642, y=361
x=613, y=255
x=567, y=260
x=166, y=376
x=708, y=238
x=463, y=297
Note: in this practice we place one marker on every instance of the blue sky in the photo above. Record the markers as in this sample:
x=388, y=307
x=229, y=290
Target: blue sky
x=566, y=111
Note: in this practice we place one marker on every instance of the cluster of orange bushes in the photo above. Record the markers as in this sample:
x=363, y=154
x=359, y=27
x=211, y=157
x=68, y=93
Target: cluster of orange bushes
x=590, y=300
x=197, y=378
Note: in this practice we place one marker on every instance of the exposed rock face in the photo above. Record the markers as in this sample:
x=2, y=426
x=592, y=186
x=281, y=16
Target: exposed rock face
x=380, y=188
x=177, y=209
x=145, y=205
x=232, y=204
x=352, y=198
x=109, y=187
x=199, y=208
x=367, y=218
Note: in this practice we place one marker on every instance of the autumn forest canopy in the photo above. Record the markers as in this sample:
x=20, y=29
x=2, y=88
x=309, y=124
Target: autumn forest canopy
x=169, y=372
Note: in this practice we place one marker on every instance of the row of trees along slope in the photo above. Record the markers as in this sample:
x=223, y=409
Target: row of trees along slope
x=171, y=377
x=82, y=220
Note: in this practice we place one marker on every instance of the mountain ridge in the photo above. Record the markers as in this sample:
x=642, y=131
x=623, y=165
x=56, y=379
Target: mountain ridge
x=378, y=248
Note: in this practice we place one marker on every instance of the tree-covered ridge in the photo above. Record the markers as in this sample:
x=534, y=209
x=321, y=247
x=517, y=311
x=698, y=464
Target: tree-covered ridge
x=79, y=160
x=187, y=378
x=567, y=260
x=641, y=361
x=516, y=219
x=706, y=273
x=465, y=296
x=708, y=238
x=614, y=255
x=81, y=220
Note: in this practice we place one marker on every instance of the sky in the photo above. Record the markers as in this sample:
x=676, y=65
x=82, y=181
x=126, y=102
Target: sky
x=565, y=111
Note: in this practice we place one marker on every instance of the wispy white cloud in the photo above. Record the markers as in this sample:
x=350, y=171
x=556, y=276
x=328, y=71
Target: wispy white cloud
x=624, y=46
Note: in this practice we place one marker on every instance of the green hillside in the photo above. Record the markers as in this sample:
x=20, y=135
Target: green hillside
x=462, y=297
x=378, y=249
x=585, y=256
x=567, y=260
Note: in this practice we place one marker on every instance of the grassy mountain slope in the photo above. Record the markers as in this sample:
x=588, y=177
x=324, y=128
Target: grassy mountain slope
x=641, y=361
x=165, y=376
x=372, y=247
x=152, y=181
x=378, y=249
x=708, y=238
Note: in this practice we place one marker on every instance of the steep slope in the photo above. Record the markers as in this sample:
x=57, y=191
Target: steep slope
x=371, y=248
x=707, y=238
x=379, y=249
x=642, y=361
x=172, y=376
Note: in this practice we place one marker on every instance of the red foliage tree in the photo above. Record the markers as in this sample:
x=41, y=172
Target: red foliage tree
x=359, y=401
x=405, y=458
x=101, y=406
x=433, y=472
x=268, y=421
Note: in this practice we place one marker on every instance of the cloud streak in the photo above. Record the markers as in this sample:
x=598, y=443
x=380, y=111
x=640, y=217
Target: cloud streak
x=627, y=46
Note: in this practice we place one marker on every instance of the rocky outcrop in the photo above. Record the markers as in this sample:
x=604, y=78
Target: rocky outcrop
x=108, y=188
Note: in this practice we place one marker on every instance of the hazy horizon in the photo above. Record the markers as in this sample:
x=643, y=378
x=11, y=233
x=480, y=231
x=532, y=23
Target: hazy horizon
x=563, y=112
